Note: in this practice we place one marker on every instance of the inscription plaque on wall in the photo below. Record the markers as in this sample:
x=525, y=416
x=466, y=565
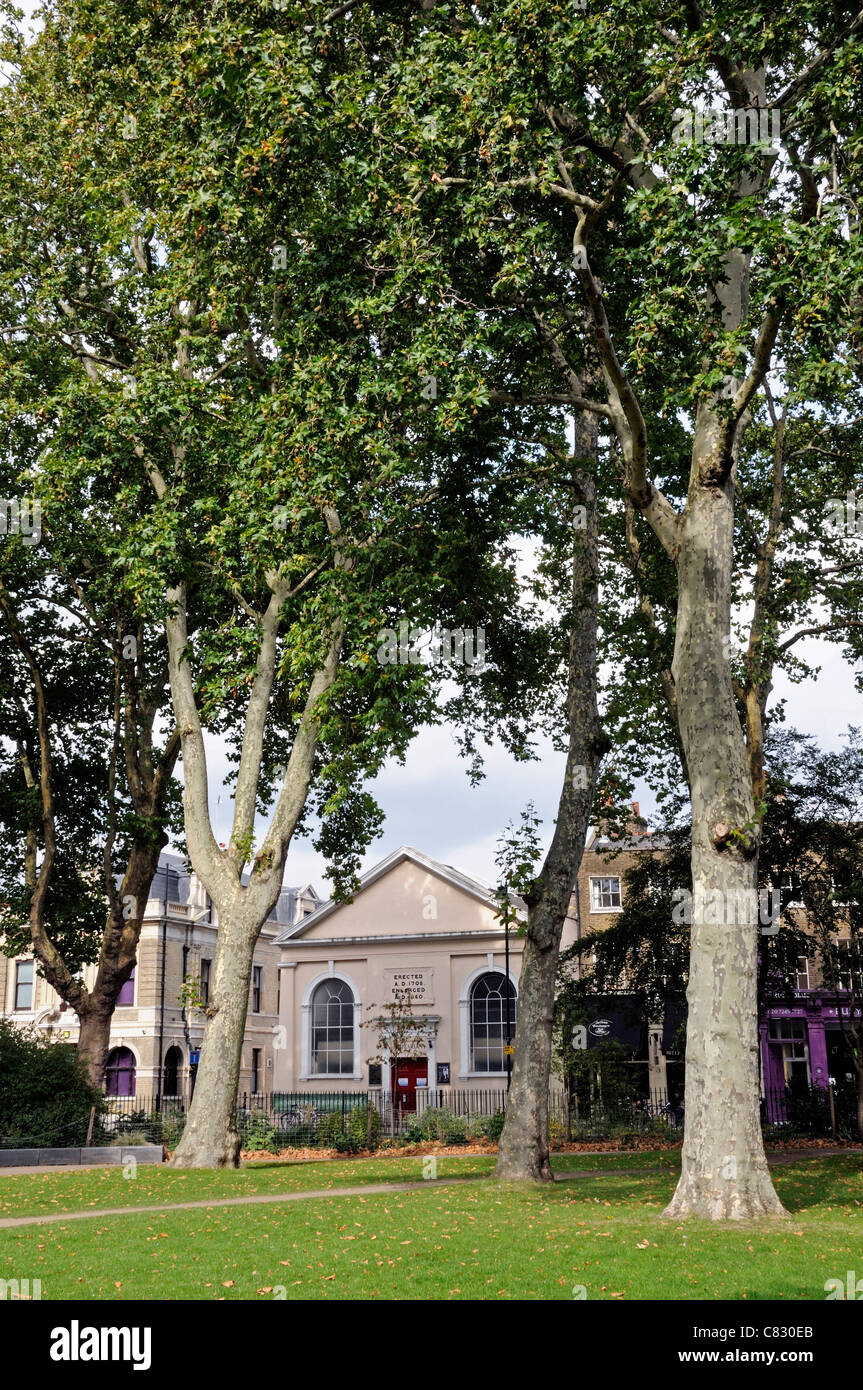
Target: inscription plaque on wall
x=420, y=984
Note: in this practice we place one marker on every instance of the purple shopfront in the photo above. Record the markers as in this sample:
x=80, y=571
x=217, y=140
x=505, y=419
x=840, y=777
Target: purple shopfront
x=801, y=1044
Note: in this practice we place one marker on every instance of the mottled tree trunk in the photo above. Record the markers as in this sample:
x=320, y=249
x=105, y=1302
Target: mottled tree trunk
x=210, y=1139
x=524, y=1141
x=94, y=1038
x=724, y=1171
x=523, y=1151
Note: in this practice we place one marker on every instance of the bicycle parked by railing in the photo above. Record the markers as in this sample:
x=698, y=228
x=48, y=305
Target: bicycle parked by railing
x=298, y=1117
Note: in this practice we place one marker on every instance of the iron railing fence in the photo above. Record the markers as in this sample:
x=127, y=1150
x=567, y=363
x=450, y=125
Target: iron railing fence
x=310, y=1118
x=804, y=1111
x=452, y=1114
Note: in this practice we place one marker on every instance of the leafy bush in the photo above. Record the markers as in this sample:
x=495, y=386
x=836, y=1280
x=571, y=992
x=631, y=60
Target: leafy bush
x=662, y=1129
x=809, y=1114
x=557, y=1133
x=439, y=1125
x=775, y=1134
x=495, y=1125
x=488, y=1126
x=626, y=1136
x=136, y=1121
x=365, y=1125
x=334, y=1133
x=45, y=1096
x=173, y=1124
x=596, y=1127
x=348, y=1133
x=260, y=1134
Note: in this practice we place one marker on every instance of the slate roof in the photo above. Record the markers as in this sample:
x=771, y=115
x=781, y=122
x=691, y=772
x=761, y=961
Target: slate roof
x=172, y=878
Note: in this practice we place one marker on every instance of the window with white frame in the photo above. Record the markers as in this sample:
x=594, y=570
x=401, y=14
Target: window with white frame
x=24, y=984
x=332, y=1024
x=790, y=889
x=605, y=895
x=488, y=1022
x=803, y=973
x=792, y=1035
x=850, y=964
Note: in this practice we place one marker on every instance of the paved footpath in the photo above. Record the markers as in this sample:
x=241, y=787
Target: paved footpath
x=359, y=1189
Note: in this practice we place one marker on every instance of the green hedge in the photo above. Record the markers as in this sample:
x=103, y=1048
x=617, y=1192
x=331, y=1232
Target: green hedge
x=356, y=1129
x=45, y=1096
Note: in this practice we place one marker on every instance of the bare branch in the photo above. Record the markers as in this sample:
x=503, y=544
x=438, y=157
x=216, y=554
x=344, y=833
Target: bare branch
x=575, y=402
x=803, y=79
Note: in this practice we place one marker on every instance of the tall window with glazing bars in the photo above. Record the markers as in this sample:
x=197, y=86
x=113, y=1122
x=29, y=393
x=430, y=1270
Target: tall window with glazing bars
x=333, y=1029
x=488, y=1021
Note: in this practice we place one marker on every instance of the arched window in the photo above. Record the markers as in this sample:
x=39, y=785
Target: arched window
x=173, y=1063
x=120, y=1072
x=333, y=1029
x=488, y=1021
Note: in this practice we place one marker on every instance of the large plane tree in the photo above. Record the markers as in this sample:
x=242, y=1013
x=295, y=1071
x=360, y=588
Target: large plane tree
x=248, y=382
x=689, y=181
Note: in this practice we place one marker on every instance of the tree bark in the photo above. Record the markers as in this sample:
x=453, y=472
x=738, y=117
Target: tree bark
x=523, y=1152
x=117, y=956
x=724, y=1170
x=94, y=1038
x=210, y=1139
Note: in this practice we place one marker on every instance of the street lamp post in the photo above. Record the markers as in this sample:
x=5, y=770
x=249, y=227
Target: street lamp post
x=504, y=912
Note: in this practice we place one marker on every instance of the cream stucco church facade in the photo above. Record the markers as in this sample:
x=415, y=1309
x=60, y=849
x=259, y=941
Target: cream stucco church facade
x=414, y=925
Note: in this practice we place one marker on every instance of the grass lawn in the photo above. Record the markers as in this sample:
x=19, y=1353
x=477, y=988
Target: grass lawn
x=465, y=1242
x=106, y=1187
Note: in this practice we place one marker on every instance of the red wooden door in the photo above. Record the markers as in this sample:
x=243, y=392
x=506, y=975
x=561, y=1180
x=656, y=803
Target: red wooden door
x=408, y=1073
